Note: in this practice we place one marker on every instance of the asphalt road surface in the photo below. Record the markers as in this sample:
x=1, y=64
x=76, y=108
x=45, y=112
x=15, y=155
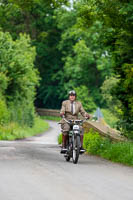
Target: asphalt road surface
x=33, y=169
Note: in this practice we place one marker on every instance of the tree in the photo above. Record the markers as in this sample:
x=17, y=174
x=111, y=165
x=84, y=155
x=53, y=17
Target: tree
x=82, y=55
x=36, y=18
x=116, y=17
x=87, y=100
x=18, y=77
x=111, y=100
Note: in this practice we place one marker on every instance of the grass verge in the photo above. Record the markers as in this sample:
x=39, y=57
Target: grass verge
x=14, y=131
x=120, y=152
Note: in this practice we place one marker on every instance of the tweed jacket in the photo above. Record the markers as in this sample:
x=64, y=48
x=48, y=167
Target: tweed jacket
x=66, y=109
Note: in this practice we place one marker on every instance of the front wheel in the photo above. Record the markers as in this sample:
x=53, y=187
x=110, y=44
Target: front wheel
x=76, y=148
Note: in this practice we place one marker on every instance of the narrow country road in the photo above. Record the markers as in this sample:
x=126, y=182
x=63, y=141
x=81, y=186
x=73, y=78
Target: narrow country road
x=33, y=169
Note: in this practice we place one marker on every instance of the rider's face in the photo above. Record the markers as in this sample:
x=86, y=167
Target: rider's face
x=72, y=97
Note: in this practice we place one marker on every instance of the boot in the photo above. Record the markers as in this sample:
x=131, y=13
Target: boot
x=64, y=140
x=82, y=150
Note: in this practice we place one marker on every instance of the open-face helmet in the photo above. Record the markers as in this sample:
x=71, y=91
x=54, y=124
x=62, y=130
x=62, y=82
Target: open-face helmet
x=72, y=93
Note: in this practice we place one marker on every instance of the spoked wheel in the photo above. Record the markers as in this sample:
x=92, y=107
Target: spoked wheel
x=76, y=149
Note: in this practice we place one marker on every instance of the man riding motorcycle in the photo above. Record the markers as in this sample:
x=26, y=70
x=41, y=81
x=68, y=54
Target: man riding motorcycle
x=70, y=110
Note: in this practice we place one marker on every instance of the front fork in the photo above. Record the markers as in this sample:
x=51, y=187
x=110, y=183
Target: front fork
x=75, y=134
x=72, y=137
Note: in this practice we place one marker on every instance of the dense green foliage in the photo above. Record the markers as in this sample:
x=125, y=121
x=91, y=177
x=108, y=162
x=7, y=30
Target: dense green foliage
x=110, y=118
x=36, y=18
x=121, y=152
x=18, y=79
x=117, y=37
x=67, y=57
x=83, y=62
x=111, y=100
x=87, y=47
x=4, y=114
x=84, y=97
x=93, y=142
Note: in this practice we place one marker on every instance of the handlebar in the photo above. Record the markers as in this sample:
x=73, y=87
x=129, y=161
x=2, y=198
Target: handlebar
x=77, y=121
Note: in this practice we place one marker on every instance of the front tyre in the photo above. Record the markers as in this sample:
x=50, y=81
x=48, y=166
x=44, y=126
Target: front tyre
x=76, y=149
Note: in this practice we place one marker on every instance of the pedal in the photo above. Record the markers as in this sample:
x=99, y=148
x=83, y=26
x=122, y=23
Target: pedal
x=82, y=151
x=63, y=151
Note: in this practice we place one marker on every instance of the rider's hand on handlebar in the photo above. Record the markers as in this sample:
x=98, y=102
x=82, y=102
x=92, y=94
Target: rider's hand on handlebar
x=62, y=115
x=87, y=116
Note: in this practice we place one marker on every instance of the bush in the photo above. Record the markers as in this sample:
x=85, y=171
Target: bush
x=22, y=113
x=18, y=78
x=125, y=126
x=3, y=82
x=92, y=142
x=60, y=138
x=121, y=152
x=112, y=101
x=110, y=118
x=4, y=114
x=86, y=100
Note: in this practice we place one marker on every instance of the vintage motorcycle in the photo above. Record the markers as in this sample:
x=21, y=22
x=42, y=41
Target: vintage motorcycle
x=73, y=146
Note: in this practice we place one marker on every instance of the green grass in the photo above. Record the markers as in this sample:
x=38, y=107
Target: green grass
x=14, y=131
x=120, y=152
x=60, y=138
x=53, y=118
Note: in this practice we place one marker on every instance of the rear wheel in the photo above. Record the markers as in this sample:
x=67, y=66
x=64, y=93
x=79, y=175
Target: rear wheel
x=76, y=149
